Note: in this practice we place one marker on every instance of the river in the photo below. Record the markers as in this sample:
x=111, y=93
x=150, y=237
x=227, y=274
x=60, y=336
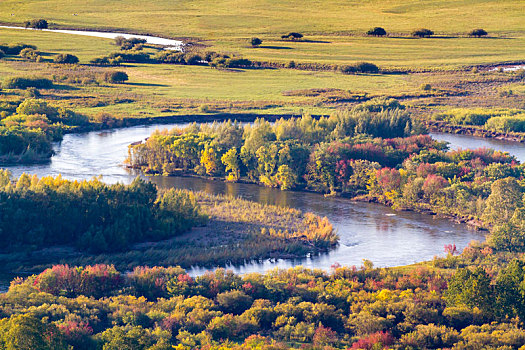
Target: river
x=170, y=44
x=370, y=231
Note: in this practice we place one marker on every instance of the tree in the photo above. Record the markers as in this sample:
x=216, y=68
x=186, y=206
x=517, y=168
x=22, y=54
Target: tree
x=256, y=42
x=231, y=160
x=377, y=31
x=471, y=289
x=66, y=58
x=235, y=301
x=292, y=35
x=24, y=332
x=478, y=33
x=422, y=33
x=36, y=24
x=209, y=161
x=285, y=177
x=115, y=77
x=504, y=198
x=510, y=290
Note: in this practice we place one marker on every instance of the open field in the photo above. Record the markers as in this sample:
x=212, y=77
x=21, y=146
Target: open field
x=336, y=36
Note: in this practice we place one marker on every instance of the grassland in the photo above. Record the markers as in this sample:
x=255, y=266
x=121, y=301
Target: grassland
x=334, y=28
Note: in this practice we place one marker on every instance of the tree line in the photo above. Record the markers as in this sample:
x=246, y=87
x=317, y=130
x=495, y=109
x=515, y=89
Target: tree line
x=90, y=215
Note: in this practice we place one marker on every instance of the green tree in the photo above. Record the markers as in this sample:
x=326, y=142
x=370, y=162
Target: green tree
x=471, y=289
x=285, y=177
x=505, y=196
x=256, y=42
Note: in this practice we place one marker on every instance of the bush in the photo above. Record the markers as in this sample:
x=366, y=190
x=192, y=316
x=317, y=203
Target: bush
x=292, y=35
x=36, y=24
x=193, y=58
x=422, y=33
x=115, y=77
x=2, y=54
x=31, y=54
x=14, y=49
x=234, y=302
x=361, y=67
x=106, y=61
x=377, y=31
x=128, y=44
x=478, y=33
x=426, y=87
x=256, y=42
x=130, y=57
x=66, y=58
x=24, y=83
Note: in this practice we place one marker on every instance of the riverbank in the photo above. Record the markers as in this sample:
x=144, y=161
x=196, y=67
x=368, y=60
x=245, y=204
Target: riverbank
x=444, y=127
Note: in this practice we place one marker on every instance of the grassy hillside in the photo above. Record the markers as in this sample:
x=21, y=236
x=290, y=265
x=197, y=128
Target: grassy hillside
x=334, y=27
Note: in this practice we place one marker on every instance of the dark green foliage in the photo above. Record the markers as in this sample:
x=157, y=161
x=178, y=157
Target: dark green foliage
x=422, y=33
x=130, y=56
x=128, y=44
x=106, y=61
x=471, y=289
x=478, y=33
x=292, y=36
x=92, y=215
x=14, y=49
x=66, y=58
x=36, y=24
x=361, y=67
x=255, y=42
x=115, y=77
x=377, y=31
x=24, y=83
x=31, y=55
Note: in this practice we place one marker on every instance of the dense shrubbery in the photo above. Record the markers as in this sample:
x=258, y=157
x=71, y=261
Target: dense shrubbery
x=157, y=308
x=478, y=33
x=90, y=214
x=115, y=77
x=26, y=132
x=128, y=44
x=503, y=120
x=15, y=49
x=65, y=58
x=361, y=67
x=422, y=33
x=377, y=31
x=24, y=83
x=36, y=24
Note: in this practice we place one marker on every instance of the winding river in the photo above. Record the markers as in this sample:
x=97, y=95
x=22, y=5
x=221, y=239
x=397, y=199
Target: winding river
x=370, y=231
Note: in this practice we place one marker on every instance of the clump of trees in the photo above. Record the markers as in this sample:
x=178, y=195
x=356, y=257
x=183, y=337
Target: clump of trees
x=115, y=77
x=14, y=49
x=422, y=33
x=66, y=58
x=360, y=67
x=90, y=215
x=352, y=308
x=376, y=31
x=131, y=43
x=27, y=82
x=36, y=24
x=478, y=33
x=31, y=54
x=292, y=36
x=255, y=42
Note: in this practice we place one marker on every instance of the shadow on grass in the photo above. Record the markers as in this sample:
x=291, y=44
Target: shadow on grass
x=275, y=47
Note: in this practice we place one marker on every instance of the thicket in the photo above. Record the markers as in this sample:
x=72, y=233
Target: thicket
x=65, y=58
x=349, y=308
x=36, y=24
x=422, y=33
x=90, y=214
x=15, y=49
x=504, y=120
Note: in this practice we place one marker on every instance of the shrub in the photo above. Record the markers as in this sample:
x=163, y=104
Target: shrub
x=33, y=93
x=66, y=58
x=192, y=58
x=365, y=67
x=377, y=31
x=361, y=67
x=106, y=61
x=115, y=77
x=24, y=83
x=422, y=33
x=290, y=64
x=14, y=49
x=128, y=44
x=2, y=54
x=292, y=35
x=235, y=301
x=426, y=87
x=31, y=54
x=256, y=42
x=36, y=24
x=130, y=57
x=478, y=33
